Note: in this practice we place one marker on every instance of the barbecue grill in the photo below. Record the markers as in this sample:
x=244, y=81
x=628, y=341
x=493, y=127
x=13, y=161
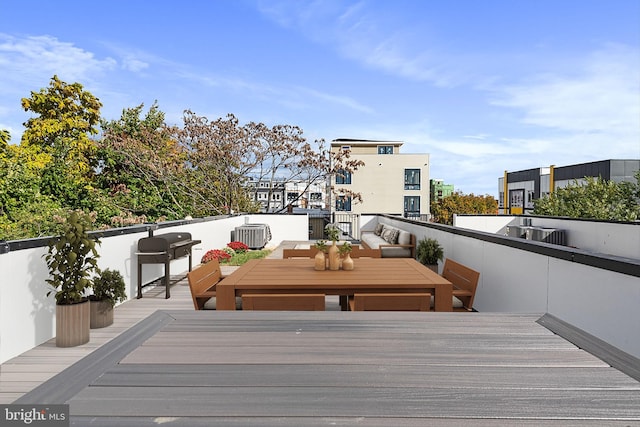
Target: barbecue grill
x=162, y=249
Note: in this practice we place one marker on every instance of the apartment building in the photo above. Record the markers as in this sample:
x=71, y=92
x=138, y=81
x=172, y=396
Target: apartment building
x=270, y=194
x=306, y=195
x=390, y=182
x=440, y=190
x=525, y=186
x=278, y=195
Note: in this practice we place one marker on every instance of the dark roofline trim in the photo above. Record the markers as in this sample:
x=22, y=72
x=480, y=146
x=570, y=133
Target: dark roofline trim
x=38, y=242
x=16, y=245
x=618, y=359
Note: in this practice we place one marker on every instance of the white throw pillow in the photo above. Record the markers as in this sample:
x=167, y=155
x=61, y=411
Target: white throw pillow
x=404, y=238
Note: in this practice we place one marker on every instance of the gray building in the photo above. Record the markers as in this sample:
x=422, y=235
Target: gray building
x=523, y=187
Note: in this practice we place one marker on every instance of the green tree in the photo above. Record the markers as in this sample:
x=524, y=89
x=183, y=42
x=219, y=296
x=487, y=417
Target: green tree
x=595, y=198
x=142, y=167
x=24, y=211
x=458, y=203
x=66, y=117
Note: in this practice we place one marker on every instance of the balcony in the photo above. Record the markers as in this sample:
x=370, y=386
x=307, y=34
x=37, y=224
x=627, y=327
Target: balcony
x=586, y=297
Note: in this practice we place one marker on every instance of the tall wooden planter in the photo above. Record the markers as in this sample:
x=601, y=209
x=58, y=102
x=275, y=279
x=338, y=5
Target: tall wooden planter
x=101, y=314
x=72, y=324
x=433, y=267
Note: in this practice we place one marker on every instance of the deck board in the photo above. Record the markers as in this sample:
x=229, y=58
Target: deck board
x=441, y=376
x=319, y=401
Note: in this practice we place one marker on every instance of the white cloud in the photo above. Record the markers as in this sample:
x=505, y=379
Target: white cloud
x=37, y=58
x=360, y=33
x=134, y=64
x=343, y=101
x=602, y=98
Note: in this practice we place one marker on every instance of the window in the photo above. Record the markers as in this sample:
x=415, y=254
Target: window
x=412, y=179
x=529, y=204
x=385, y=149
x=316, y=196
x=343, y=203
x=343, y=177
x=291, y=195
x=411, y=205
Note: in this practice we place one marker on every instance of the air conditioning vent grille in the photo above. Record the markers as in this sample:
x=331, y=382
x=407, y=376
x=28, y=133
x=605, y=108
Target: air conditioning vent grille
x=256, y=236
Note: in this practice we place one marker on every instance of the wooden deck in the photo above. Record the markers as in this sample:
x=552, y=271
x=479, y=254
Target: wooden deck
x=25, y=372
x=341, y=368
x=163, y=363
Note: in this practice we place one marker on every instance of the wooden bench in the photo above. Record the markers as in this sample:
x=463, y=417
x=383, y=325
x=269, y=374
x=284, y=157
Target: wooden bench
x=391, y=302
x=356, y=252
x=202, y=284
x=299, y=253
x=465, y=282
x=284, y=302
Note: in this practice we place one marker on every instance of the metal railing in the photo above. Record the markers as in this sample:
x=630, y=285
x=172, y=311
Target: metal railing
x=349, y=223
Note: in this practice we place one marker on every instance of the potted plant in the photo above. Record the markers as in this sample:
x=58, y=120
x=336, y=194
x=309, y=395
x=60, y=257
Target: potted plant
x=334, y=257
x=429, y=252
x=108, y=289
x=321, y=246
x=345, y=251
x=71, y=260
x=320, y=259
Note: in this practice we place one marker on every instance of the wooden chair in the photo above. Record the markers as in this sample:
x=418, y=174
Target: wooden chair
x=391, y=302
x=284, y=302
x=202, y=284
x=465, y=282
x=299, y=253
x=358, y=252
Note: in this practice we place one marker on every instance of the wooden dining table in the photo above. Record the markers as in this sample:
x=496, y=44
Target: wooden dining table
x=370, y=275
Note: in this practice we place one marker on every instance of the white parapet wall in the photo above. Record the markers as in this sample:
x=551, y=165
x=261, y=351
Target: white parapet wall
x=605, y=237
x=27, y=314
x=579, y=287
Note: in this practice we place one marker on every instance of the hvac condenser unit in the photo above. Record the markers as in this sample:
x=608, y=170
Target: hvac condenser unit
x=547, y=235
x=256, y=236
x=516, y=231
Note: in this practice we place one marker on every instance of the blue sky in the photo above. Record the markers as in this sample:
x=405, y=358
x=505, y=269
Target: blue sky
x=483, y=86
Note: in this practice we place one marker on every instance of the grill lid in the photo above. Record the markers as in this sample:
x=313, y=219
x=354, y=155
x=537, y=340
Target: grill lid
x=163, y=242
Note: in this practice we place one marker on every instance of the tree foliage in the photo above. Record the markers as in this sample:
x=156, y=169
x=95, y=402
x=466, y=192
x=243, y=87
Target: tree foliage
x=138, y=168
x=5, y=137
x=442, y=211
x=59, y=134
x=595, y=198
x=24, y=211
x=220, y=154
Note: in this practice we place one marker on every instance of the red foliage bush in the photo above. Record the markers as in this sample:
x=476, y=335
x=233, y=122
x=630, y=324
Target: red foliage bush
x=238, y=246
x=214, y=254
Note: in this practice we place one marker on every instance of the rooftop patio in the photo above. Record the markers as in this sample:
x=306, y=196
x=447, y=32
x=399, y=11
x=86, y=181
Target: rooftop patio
x=163, y=362
x=176, y=366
